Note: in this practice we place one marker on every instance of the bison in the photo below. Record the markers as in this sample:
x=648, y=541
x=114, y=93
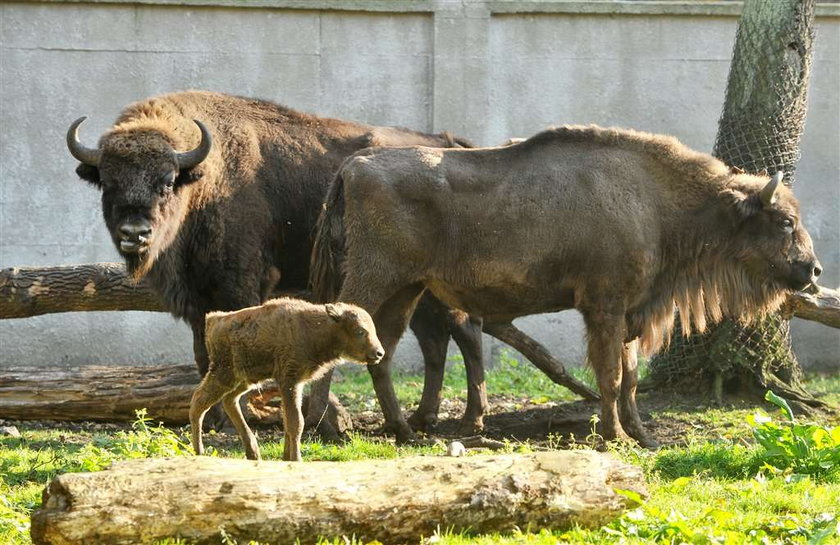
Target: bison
x=289, y=340
x=623, y=226
x=214, y=198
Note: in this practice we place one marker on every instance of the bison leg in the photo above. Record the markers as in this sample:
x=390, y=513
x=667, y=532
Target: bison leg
x=605, y=332
x=466, y=331
x=230, y=403
x=292, y=398
x=627, y=409
x=391, y=320
x=208, y=392
x=429, y=327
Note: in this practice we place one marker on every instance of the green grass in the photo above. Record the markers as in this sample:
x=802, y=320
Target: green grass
x=509, y=378
x=716, y=488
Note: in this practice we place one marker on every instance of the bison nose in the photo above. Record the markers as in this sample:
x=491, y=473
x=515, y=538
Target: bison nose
x=134, y=236
x=816, y=270
x=376, y=357
x=135, y=231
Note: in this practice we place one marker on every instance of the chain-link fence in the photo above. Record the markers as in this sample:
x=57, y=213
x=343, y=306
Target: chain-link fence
x=759, y=130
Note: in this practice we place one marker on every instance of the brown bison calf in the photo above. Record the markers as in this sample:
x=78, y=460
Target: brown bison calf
x=289, y=340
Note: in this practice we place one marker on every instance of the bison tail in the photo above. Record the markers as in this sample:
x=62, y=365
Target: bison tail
x=325, y=274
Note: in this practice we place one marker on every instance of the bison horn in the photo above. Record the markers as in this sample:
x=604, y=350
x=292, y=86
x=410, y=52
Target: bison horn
x=768, y=192
x=189, y=159
x=88, y=156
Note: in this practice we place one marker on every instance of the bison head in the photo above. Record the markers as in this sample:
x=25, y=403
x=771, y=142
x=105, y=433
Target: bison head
x=143, y=182
x=358, y=340
x=775, y=244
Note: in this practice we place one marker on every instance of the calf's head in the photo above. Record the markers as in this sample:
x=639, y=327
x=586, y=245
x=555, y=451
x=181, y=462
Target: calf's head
x=143, y=182
x=771, y=241
x=357, y=334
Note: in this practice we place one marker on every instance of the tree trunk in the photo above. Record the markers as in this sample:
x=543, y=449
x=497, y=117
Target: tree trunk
x=31, y=291
x=392, y=501
x=759, y=130
x=99, y=393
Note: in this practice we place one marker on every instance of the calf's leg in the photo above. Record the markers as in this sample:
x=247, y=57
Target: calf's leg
x=208, y=392
x=230, y=403
x=292, y=397
x=216, y=417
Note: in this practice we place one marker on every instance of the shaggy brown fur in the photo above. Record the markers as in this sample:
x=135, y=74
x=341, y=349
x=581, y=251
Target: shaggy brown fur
x=621, y=225
x=289, y=340
x=237, y=227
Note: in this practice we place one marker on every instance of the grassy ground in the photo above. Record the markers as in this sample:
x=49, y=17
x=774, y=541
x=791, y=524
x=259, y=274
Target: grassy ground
x=714, y=485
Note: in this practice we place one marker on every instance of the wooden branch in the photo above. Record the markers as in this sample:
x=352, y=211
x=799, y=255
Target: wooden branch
x=540, y=357
x=391, y=501
x=31, y=291
x=822, y=306
x=96, y=392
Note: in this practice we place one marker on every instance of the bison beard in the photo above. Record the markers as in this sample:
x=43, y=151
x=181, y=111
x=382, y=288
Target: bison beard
x=227, y=221
x=621, y=225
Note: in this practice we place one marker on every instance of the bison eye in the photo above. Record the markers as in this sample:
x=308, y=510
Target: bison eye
x=168, y=180
x=787, y=224
x=360, y=333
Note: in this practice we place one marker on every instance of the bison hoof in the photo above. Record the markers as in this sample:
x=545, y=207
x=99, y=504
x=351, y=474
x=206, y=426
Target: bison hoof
x=424, y=422
x=471, y=426
x=217, y=420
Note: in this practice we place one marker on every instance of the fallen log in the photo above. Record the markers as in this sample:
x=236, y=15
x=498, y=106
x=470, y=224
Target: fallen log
x=102, y=393
x=392, y=501
x=96, y=392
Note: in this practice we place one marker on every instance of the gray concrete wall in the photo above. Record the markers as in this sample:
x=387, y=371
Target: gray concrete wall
x=483, y=69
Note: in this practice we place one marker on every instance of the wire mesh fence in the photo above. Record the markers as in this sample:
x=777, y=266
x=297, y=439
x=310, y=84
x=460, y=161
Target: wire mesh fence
x=759, y=131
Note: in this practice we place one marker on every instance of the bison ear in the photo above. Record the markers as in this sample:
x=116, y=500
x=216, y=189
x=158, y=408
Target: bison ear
x=333, y=312
x=188, y=176
x=743, y=204
x=89, y=174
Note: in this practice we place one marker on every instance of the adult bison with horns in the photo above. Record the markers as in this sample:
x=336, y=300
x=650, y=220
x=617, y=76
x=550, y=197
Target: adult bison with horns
x=228, y=220
x=621, y=225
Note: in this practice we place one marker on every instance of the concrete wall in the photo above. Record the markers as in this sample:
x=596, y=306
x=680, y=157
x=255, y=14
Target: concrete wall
x=486, y=70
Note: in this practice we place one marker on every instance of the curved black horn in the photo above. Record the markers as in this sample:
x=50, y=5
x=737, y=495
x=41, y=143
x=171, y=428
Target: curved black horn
x=189, y=159
x=88, y=156
x=769, y=190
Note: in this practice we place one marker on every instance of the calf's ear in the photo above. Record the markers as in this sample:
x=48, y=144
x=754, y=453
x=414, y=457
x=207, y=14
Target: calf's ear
x=333, y=312
x=89, y=174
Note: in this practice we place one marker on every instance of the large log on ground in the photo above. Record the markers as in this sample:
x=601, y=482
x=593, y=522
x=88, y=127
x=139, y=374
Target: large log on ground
x=96, y=392
x=392, y=501
x=113, y=394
